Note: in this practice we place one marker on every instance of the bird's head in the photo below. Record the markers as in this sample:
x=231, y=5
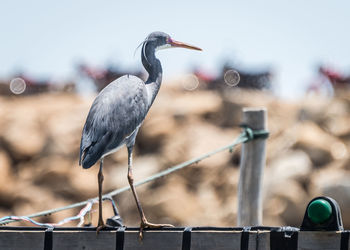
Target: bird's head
x=160, y=40
x=156, y=41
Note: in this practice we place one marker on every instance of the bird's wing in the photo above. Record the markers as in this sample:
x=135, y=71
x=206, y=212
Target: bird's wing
x=114, y=115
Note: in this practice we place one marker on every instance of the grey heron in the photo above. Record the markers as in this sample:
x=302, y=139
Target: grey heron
x=117, y=114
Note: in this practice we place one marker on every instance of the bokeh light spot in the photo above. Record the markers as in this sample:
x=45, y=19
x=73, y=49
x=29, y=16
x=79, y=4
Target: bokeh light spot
x=190, y=82
x=17, y=86
x=232, y=77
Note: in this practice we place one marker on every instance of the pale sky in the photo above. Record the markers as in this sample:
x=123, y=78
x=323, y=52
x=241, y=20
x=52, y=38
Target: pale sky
x=46, y=38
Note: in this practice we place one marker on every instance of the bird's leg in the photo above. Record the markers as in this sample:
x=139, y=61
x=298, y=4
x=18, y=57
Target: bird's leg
x=101, y=224
x=144, y=222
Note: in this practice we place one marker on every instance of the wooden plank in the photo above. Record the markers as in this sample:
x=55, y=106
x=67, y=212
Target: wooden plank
x=251, y=171
x=259, y=240
x=319, y=240
x=84, y=240
x=165, y=240
x=215, y=240
x=19, y=240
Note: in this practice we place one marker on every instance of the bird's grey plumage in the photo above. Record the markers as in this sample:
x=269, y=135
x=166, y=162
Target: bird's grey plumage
x=120, y=108
x=115, y=114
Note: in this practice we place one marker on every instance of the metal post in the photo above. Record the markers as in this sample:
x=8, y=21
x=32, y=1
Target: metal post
x=251, y=171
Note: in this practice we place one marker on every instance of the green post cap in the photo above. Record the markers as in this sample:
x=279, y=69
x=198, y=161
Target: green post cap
x=319, y=211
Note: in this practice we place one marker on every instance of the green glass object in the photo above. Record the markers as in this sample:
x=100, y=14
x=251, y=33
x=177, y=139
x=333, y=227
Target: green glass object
x=319, y=211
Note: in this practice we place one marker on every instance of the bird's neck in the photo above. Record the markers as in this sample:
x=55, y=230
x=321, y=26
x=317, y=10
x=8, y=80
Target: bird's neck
x=155, y=73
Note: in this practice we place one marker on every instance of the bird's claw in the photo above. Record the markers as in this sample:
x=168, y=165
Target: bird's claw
x=100, y=227
x=146, y=224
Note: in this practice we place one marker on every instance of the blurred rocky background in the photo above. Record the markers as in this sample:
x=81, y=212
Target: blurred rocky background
x=307, y=156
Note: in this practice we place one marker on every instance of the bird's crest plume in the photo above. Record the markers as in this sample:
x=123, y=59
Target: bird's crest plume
x=142, y=43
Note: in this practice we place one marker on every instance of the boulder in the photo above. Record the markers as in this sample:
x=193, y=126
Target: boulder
x=7, y=182
x=318, y=144
x=153, y=132
x=288, y=203
x=6, y=174
x=24, y=136
x=292, y=165
x=339, y=125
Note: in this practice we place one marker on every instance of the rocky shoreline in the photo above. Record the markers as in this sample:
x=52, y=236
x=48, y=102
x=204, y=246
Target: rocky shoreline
x=307, y=155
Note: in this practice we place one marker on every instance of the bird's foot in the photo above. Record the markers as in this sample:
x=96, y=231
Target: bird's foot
x=100, y=226
x=146, y=224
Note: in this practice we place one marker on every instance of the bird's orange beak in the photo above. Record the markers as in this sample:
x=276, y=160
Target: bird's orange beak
x=174, y=43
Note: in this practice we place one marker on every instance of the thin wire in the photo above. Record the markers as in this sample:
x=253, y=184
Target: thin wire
x=80, y=216
x=242, y=138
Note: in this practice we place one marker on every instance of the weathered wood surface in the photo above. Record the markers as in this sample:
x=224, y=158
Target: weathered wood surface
x=251, y=171
x=32, y=240
x=326, y=240
x=163, y=240
x=215, y=240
